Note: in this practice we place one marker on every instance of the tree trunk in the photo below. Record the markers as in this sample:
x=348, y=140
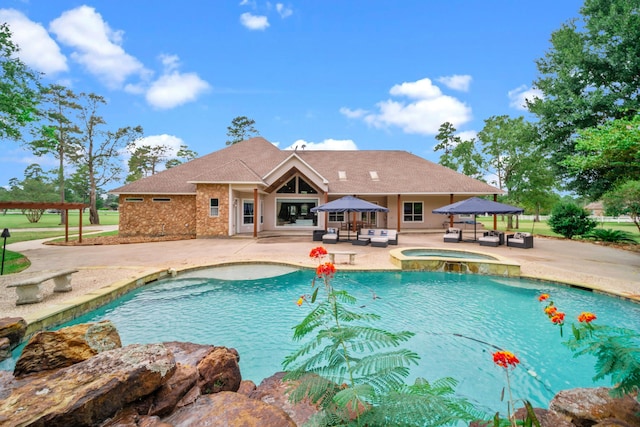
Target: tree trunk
x=509, y=222
x=63, y=212
x=94, y=218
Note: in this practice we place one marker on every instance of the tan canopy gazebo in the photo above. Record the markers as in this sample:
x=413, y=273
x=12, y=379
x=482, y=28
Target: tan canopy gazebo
x=51, y=205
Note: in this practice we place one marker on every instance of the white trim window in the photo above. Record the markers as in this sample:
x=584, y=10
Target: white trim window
x=214, y=207
x=336, y=216
x=413, y=211
x=247, y=212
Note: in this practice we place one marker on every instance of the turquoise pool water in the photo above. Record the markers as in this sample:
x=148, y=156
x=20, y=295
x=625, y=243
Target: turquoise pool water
x=444, y=253
x=459, y=320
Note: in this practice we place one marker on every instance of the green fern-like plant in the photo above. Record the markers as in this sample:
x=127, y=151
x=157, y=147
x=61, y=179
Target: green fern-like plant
x=356, y=373
x=617, y=351
x=610, y=235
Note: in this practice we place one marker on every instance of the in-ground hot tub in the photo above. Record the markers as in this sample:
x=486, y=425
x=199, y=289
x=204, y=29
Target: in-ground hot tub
x=459, y=261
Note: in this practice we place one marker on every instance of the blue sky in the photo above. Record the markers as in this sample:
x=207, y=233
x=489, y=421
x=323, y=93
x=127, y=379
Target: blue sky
x=332, y=74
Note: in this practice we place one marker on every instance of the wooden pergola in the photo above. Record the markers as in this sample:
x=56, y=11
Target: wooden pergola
x=51, y=205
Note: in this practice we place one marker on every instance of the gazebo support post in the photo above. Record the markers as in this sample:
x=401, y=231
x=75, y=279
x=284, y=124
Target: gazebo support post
x=66, y=225
x=80, y=225
x=495, y=216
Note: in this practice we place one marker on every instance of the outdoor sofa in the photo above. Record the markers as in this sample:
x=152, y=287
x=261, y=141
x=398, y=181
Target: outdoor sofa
x=377, y=237
x=453, y=235
x=332, y=236
x=492, y=238
x=520, y=240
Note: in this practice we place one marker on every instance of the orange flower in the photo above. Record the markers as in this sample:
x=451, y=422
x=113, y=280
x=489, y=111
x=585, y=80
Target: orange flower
x=550, y=310
x=558, y=318
x=326, y=270
x=300, y=301
x=543, y=297
x=586, y=317
x=318, y=252
x=505, y=358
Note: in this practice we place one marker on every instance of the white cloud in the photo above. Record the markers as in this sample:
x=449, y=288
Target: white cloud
x=518, y=97
x=37, y=49
x=456, y=82
x=327, y=144
x=428, y=109
x=467, y=135
x=97, y=47
x=353, y=114
x=284, y=11
x=174, y=89
x=171, y=141
x=254, y=22
x=422, y=89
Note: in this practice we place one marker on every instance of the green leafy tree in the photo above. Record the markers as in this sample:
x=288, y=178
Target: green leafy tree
x=568, y=220
x=183, y=155
x=608, y=154
x=457, y=154
x=145, y=159
x=241, y=128
x=587, y=78
x=98, y=155
x=354, y=371
x=35, y=187
x=520, y=166
x=19, y=85
x=624, y=200
x=58, y=134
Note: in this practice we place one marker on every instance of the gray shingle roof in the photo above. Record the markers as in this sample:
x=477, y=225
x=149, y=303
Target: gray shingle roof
x=398, y=172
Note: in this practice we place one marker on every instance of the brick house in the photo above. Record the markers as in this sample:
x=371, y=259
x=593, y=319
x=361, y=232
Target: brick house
x=253, y=186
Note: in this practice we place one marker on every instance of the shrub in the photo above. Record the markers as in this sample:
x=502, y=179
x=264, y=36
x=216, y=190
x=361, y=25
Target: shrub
x=570, y=220
x=610, y=235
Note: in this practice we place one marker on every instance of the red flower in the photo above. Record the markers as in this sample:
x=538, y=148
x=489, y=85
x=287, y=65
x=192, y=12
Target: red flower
x=550, y=310
x=558, y=318
x=505, y=358
x=586, y=317
x=318, y=252
x=326, y=270
x=543, y=297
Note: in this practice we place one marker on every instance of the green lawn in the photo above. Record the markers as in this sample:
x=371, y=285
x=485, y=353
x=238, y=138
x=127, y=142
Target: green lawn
x=14, y=262
x=15, y=219
x=543, y=229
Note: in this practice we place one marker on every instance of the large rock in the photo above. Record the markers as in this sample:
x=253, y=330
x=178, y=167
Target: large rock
x=229, y=410
x=13, y=328
x=88, y=392
x=274, y=392
x=219, y=371
x=590, y=406
x=545, y=417
x=57, y=349
x=130, y=418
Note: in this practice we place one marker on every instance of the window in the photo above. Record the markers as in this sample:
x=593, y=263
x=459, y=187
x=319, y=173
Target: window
x=214, y=207
x=134, y=199
x=296, y=212
x=247, y=212
x=297, y=185
x=161, y=199
x=412, y=212
x=336, y=216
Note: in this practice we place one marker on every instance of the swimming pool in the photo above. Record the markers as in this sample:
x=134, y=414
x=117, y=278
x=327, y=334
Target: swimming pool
x=431, y=252
x=458, y=319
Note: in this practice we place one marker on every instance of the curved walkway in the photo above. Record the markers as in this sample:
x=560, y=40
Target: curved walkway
x=583, y=264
